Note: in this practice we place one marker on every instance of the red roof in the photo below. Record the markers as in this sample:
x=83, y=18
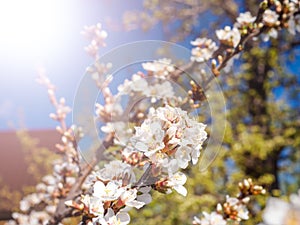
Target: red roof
x=13, y=168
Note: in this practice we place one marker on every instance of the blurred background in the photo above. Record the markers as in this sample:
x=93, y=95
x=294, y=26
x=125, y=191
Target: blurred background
x=261, y=89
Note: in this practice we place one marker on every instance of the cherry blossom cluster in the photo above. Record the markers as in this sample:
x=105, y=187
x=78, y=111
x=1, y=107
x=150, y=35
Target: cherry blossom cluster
x=234, y=209
x=112, y=195
x=273, y=16
x=169, y=138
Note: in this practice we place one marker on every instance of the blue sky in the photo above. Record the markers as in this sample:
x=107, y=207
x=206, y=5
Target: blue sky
x=49, y=36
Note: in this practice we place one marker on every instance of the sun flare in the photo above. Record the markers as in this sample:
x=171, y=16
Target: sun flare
x=27, y=25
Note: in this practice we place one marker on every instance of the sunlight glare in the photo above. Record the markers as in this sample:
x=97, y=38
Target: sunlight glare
x=27, y=25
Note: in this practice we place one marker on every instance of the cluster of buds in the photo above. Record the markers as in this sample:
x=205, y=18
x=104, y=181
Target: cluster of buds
x=248, y=188
x=97, y=35
x=196, y=95
x=234, y=209
x=100, y=74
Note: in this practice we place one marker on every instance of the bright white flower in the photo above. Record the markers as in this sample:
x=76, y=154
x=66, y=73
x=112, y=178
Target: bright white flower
x=149, y=137
x=129, y=199
x=94, y=204
x=176, y=182
x=270, y=18
x=294, y=24
x=110, y=218
x=160, y=68
x=244, y=19
x=194, y=135
x=136, y=84
x=118, y=171
x=228, y=36
x=183, y=156
x=109, y=192
x=162, y=90
x=204, y=49
x=169, y=133
x=210, y=219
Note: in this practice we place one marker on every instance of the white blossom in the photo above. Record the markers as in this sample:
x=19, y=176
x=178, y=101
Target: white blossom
x=116, y=170
x=109, y=192
x=244, y=19
x=94, y=204
x=169, y=133
x=160, y=68
x=136, y=84
x=228, y=36
x=210, y=219
x=162, y=90
x=129, y=199
x=270, y=18
x=176, y=182
x=204, y=49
